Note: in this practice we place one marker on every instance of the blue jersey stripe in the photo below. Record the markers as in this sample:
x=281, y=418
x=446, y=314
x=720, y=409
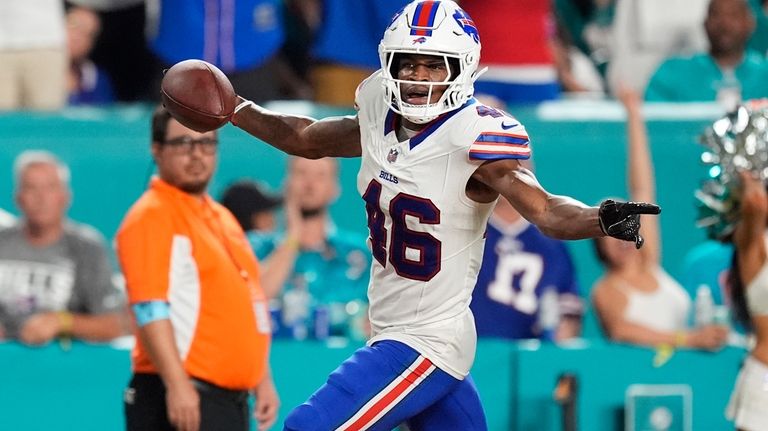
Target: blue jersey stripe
x=497, y=156
x=501, y=139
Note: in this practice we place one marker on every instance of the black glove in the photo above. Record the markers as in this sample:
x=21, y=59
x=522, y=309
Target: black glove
x=622, y=219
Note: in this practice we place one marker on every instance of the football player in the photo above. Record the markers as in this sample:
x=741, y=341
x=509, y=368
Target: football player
x=434, y=162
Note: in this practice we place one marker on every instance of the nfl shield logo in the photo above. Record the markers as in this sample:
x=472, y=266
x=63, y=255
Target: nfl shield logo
x=392, y=156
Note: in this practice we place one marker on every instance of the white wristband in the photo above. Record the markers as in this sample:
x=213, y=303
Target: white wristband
x=242, y=105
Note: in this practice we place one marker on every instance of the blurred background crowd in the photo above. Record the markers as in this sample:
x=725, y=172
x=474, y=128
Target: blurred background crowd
x=110, y=51
x=110, y=54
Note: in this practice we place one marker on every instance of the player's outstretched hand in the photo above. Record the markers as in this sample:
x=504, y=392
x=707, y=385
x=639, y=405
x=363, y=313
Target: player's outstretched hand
x=622, y=219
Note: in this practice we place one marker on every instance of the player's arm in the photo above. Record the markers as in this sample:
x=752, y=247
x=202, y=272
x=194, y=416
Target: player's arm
x=557, y=216
x=561, y=216
x=299, y=135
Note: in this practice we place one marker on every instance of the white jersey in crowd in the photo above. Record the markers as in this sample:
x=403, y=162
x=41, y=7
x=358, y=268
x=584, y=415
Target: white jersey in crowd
x=426, y=235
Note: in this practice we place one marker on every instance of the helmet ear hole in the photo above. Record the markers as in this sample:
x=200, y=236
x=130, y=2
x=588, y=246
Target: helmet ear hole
x=455, y=66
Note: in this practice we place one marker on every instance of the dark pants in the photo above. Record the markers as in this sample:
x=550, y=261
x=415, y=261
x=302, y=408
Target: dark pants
x=220, y=409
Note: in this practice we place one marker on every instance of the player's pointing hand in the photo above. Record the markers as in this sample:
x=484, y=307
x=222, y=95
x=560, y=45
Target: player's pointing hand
x=622, y=219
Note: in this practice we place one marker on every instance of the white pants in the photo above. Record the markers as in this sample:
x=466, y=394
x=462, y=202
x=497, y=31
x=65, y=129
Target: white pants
x=33, y=79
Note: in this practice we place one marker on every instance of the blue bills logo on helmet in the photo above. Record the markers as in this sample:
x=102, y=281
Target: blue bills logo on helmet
x=466, y=23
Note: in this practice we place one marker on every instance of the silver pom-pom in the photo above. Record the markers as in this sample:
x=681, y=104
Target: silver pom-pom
x=736, y=142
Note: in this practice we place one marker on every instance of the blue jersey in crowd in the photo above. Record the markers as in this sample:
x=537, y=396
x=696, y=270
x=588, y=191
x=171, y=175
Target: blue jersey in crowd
x=519, y=264
x=365, y=19
x=234, y=35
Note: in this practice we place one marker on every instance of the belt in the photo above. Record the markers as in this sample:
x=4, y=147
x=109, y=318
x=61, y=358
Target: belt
x=210, y=388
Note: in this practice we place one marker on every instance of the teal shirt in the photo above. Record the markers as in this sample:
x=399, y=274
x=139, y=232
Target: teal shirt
x=698, y=79
x=338, y=273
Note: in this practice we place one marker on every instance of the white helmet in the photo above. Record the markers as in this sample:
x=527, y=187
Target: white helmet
x=430, y=27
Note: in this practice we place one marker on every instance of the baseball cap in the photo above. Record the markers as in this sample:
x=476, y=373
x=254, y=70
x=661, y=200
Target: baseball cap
x=245, y=198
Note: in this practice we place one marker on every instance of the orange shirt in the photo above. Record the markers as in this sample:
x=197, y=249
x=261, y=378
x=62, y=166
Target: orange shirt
x=191, y=253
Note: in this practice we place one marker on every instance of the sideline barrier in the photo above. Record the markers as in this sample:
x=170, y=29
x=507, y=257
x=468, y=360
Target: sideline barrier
x=81, y=388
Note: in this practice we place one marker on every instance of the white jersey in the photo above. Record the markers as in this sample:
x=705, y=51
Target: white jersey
x=426, y=235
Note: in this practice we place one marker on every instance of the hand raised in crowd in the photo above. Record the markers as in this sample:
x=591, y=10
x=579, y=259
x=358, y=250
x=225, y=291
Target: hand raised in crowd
x=630, y=98
x=708, y=337
x=40, y=328
x=183, y=403
x=267, y=404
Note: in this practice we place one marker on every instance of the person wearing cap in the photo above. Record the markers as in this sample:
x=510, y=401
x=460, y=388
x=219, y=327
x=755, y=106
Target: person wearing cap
x=253, y=207
x=312, y=264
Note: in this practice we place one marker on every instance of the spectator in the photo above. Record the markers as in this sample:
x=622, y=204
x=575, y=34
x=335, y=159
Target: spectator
x=520, y=267
x=589, y=23
x=6, y=218
x=576, y=72
x=749, y=281
x=121, y=48
x=33, y=57
x=55, y=276
x=202, y=320
x=330, y=265
x=241, y=37
x=336, y=73
x=254, y=210
x=727, y=74
x=251, y=205
x=87, y=83
x=517, y=49
x=646, y=32
x=636, y=300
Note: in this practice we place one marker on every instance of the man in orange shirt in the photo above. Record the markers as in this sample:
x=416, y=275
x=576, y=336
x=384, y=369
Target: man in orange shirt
x=193, y=284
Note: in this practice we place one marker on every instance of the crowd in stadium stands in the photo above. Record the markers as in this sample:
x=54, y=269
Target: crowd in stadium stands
x=636, y=300
x=56, y=280
x=289, y=49
x=687, y=50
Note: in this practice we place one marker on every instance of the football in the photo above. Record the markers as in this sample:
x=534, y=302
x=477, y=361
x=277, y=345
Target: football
x=198, y=95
